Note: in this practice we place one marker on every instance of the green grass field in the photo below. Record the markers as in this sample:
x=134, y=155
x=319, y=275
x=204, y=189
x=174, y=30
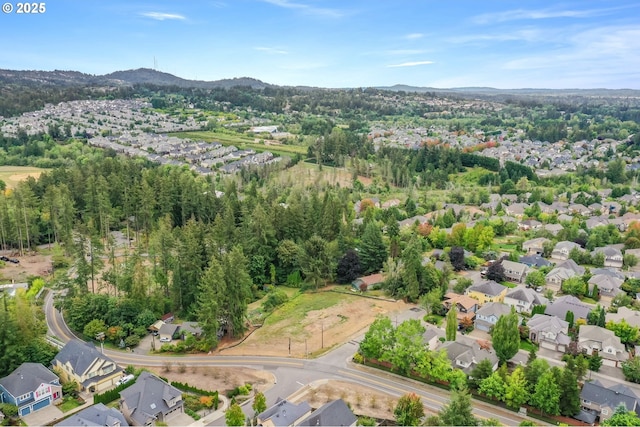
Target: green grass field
x=241, y=141
x=12, y=175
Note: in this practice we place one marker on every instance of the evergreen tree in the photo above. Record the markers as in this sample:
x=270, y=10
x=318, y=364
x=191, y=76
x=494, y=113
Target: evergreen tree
x=622, y=417
x=234, y=416
x=452, y=323
x=458, y=411
x=482, y=370
x=570, y=392
x=373, y=251
x=208, y=312
x=506, y=336
x=238, y=291
x=456, y=256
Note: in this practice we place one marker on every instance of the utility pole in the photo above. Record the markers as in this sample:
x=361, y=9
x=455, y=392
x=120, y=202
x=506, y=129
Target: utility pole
x=322, y=335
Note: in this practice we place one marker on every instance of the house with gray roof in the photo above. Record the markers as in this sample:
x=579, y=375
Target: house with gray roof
x=432, y=336
x=150, y=400
x=465, y=353
x=523, y=299
x=192, y=328
x=168, y=332
x=549, y=332
x=284, y=414
x=597, y=340
x=30, y=387
x=607, y=285
x=487, y=291
x=82, y=362
x=535, y=246
x=564, y=271
x=562, y=250
x=487, y=316
x=515, y=271
x=632, y=317
x=554, y=229
x=95, y=416
x=602, y=401
x=334, y=413
x=612, y=256
x=534, y=261
x=562, y=305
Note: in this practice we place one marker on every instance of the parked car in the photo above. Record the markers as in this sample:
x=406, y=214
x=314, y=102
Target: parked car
x=125, y=379
x=165, y=339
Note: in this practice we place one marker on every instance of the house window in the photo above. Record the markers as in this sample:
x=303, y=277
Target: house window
x=605, y=412
x=24, y=396
x=586, y=402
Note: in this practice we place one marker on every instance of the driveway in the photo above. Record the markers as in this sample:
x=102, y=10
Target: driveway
x=179, y=419
x=43, y=416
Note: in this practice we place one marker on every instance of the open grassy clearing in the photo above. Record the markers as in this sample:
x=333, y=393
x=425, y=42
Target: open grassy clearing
x=242, y=141
x=313, y=322
x=12, y=175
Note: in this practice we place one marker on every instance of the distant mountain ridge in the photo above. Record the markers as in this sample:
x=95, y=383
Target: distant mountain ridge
x=119, y=78
x=159, y=78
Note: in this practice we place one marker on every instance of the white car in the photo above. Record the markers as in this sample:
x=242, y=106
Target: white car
x=165, y=339
x=125, y=379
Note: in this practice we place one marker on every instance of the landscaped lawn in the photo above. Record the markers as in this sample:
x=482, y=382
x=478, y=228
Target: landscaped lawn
x=526, y=345
x=68, y=404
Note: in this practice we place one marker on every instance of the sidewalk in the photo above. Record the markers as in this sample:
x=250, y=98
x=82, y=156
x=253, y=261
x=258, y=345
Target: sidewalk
x=215, y=414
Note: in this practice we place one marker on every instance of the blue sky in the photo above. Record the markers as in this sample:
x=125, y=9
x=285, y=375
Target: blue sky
x=339, y=43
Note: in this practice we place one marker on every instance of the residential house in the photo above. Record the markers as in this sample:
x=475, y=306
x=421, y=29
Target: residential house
x=30, y=387
x=432, y=336
x=597, y=340
x=168, y=318
x=535, y=246
x=563, y=217
x=168, y=332
x=564, y=271
x=155, y=328
x=192, y=328
x=529, y=224
x=632, y=317
x=465, y=353
x=95, y=416
x=554, y=229
x=579, y=209
x=487, y=291
x=607, y=285
x=612, y=256
x=549, y=332
x=83, y=363
x=368, y=281
x=466, y=306
x=562, y=250
x=515, y=271
x=596, y=221
x=150, y=400
x=283, y=414
x=564, y=304
x=516, y=209
x=602, y=401
x=334, y=413
x=534, y=261
x=523, y=299
x=487, y=315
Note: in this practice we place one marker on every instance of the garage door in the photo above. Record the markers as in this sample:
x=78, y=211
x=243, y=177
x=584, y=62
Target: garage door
x=39, y=405
x=24, y=411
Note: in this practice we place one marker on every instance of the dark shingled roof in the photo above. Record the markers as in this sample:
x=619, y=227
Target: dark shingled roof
x=80, y=355
x=148, y=396
x=95, y=416
x=284, y=413
x=27, y=378
x=335, y=413
x=612, y=397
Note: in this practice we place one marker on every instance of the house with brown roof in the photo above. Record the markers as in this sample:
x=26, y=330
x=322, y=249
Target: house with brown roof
x=535, y=246
x=368, y=282
x=466, y=306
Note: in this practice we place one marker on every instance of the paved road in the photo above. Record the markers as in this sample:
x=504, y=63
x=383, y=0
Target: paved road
x=293, y=374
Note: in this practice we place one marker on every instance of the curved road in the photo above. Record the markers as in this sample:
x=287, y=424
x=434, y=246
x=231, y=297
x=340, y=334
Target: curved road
x=292, y=374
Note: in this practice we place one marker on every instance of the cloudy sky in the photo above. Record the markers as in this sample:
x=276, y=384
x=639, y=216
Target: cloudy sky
x=338, y=43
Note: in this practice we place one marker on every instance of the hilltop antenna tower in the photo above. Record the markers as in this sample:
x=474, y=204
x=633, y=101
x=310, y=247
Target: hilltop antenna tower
x=155, y=64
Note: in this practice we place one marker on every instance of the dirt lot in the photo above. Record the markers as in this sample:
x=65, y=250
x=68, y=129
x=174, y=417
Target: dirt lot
x=30, y=265
x=215, y=378
x=316, y=332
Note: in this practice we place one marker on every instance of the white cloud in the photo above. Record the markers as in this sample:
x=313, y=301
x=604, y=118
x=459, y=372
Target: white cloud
x=271, y=50
x=159, y=16
x=522, y=14
x=405, y=51
x=414, y=36
x=307, y=9
x=410, y=64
